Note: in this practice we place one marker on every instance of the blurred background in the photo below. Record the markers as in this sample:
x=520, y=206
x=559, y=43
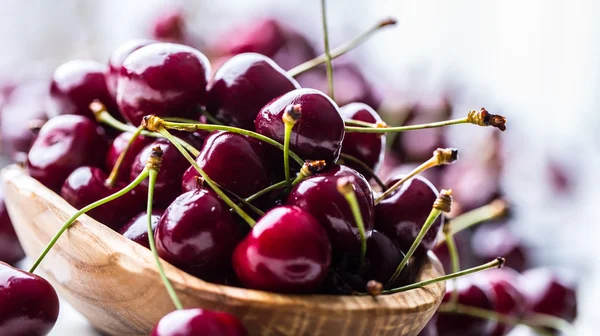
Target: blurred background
x=536, y=62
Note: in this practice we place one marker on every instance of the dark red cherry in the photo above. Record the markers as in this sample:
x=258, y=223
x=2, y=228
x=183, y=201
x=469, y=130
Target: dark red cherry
x=191, y=180
x=198, y=233
x=87, y=184
x=164, y=79
x=193, y=322
x=10, y=249
x=64, y=143
x=462, y=240
x=75, y=85
x=402, y=214
x=319, y=196
x=137, y=228
x=243, y=85
x=430, y=328
x=168, y=182
x=118, y=146
x=317, y=135
x=169, y=26
x=115, y=62
x=472, y=294
x=492, y=240
x=367, y=147
x=549, y=292
x=28, y=303
x=286, y=252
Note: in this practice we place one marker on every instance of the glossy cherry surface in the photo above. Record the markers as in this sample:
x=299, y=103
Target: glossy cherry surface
x=194, y=322
x=317, y=135
x=287, y=252
x=10, y=248
x=402, y=214
x=28, y=303
x=319, y=196
x=243, y=85
x=115, y=62
x=367, y=147
x=197, y=232
x=75, y=85
x=87, y=184
x=492, y=240
x=548, y=292
x=164, y=79
x=168, y=182
x=137, y=228
x=470, y=294
x=65, y=143
x=118, y=146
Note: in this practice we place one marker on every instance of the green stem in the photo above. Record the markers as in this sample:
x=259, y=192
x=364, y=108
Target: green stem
x=364, y=166
x=326, y=47
x=268, y=189
x=207, y=178
x=152, y=181
x=350, y=196
x=247, y=204
x=206, y=127
x=353, y=122
x=112, y=178
x=433, y=215
x=354, y=129
x=455, y=259
x=87, y=208
x=286, y=151
x=492, y=264
x=424, y=166
x=482, y=214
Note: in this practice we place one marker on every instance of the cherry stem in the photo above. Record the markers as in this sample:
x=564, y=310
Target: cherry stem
x=196, y=126
x=112, y=178
x=341, y=50
x=268, y=189
x=291, y=115
x=142, y=176
x=162, y=130
x=496, y=263
x=247, y=204
x=493, y=210
x=210, y=118
x=442, y=204
x=454, y=258
x=345, y=187
x=365, y=167
x=362, y=123
x=328, y=65
x=440, y=157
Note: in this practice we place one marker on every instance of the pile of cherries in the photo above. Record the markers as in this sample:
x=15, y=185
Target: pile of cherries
x=303, y=237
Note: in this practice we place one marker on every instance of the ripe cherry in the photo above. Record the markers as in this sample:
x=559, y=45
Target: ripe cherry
x=75, y=85
x=169, y=26
x=287, y=252
x=492, y=240
x=243, y=85
x=115, y=62
x=401, y=215
x=367, y=147
x=548, y=292
x=319, y=196
x=87, y=184
x=64, y=143
x=28, y=303
x=10, y=249
x=191, y=322
x=168, y=182
x=137, y=228
x=317, y=135
x=118, y=146
x=164, y=79
x=198, y=233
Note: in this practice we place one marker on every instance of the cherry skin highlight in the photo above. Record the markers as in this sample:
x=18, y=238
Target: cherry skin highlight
x=243, y=85
x=65, y=143
x=115, y=62
x=137, y=228
x=28, y=303
x=286, y=252
x=192, y=322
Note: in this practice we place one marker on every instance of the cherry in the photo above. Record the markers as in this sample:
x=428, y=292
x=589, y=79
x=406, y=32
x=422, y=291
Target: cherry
x=317, y=135
x=64, y=143
x=548, y=292
x=319, y=196
x=75, y=85
x=164, y=79
x=28, y=303
x=198, y=233
x=10, y=249
x=467, y=259
x=286, y=252
x=169, y=26
x=191, y=322
x=191, y=180
x=118, y=146
x=87, y=184
x=401, y=215
x=137, y=228
x=492, y=240
x=168, y=182
x=243, y=85
x=471, y=294
x=430, y=328
x=115, y=62
x=367, y=147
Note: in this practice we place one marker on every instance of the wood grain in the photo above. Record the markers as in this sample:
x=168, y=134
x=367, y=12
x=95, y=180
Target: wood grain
x=113, y=282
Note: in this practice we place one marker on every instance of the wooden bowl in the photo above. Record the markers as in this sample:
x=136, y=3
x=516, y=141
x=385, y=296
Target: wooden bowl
x=113, y=282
